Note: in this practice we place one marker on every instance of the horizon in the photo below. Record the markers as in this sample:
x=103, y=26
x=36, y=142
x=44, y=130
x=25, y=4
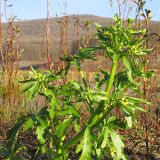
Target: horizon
x=69, y=15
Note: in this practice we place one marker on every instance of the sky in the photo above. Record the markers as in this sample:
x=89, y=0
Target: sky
x=36, y=9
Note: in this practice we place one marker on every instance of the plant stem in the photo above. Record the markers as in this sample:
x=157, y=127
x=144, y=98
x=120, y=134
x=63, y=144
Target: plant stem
x=99, y=115
x=111, y=80
x=75, y=139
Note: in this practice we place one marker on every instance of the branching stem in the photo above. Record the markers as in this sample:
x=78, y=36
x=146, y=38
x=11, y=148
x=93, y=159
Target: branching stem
x=98, y=117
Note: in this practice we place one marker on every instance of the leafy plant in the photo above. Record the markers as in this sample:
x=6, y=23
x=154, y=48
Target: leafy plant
x=100, y=134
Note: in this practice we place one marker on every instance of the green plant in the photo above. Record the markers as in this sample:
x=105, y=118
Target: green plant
x=100, y=135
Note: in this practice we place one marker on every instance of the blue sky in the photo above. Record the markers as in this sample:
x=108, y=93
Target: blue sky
x=35, y=9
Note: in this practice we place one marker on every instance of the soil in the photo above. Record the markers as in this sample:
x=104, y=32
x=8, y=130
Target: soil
x=29, y=139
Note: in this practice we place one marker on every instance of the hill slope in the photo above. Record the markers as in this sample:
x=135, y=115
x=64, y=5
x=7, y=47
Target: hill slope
x=32, y=33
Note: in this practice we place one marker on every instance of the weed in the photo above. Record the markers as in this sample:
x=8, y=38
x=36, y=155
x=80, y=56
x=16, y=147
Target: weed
x=100, y=134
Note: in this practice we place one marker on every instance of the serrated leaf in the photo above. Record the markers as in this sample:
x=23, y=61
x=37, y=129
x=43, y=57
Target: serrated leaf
x=39, y=133
x=41, y=129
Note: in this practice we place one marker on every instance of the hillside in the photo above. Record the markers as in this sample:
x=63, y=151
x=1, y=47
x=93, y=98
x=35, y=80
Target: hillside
x=32, y=33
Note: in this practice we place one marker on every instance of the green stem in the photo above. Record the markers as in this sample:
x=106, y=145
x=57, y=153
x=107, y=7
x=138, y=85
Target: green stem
x=98, y=117
x=75, y=139
x=111, y=80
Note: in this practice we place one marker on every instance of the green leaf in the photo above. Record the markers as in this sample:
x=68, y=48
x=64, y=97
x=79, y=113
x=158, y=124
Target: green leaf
x=105, y=139
x=52, y=112
x=28, y=124
x=77, y=125
x=39, y=133
x=148, y=74
x=104, y=80
x=33, y=90
x=53, y=100
x=111, y=50
x=113, y=122
x=73, y=111
x=129, y=121
x=63, y=126
x=139, y=108
x=13, y=133
x=49, y=93
x=130, y=20
x=40, y=130
x=79, y=147
x=33, y=71
x=111, y=119
x=118, y=143
x=31, y=80
x=97, y=97
x=137, y=100
x=26, y=87
x=128, y=65
x=76, y=85
x=87, y=146
x=115, y=17
x=43, y=149
x=86, y=53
